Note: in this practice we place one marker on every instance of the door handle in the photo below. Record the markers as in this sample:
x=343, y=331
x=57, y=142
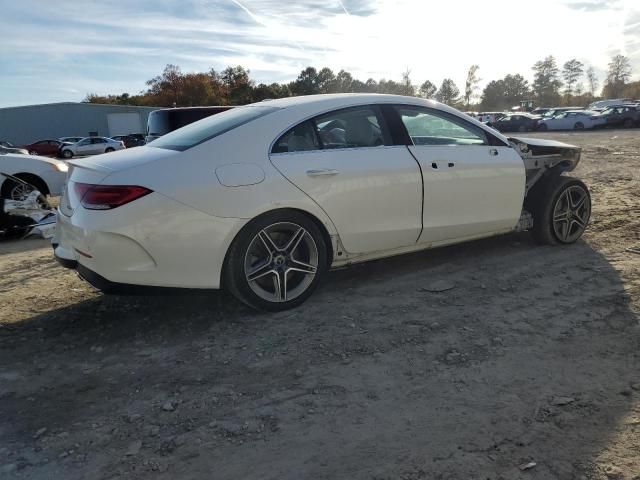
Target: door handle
x=493, y=151
x=322, y=172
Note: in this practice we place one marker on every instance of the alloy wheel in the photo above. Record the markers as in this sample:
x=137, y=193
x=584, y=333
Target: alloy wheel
x=20, y=192
x=571, y=214
x=281, y=262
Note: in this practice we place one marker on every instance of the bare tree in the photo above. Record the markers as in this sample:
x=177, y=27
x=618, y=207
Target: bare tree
x=407, y=87
x=617, y=76
x=592, y=81
x=571, y=72
x=471, y=85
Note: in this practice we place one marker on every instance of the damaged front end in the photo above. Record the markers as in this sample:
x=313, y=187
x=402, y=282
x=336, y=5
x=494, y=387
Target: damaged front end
x=542, y=156
x=31, y=215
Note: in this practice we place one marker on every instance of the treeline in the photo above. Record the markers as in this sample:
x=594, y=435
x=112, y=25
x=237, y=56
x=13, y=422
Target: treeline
x=573, y=84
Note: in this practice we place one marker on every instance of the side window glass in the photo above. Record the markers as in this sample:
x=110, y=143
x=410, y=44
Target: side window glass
x=352, y=128
x=86, y=141
x=300, y=138
x=427, y=127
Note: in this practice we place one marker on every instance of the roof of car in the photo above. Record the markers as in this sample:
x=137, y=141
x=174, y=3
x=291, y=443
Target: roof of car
x=337, y=98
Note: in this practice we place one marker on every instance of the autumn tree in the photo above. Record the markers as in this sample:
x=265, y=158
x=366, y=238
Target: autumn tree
x=166, y=88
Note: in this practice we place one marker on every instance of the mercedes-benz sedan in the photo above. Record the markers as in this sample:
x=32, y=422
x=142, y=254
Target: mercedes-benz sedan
x=264, y=199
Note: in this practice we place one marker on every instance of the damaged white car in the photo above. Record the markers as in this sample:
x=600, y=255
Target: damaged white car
x=264, y=199
x=47, y=175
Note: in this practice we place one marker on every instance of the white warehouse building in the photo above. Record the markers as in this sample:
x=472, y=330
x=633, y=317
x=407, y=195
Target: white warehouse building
x=27, y=124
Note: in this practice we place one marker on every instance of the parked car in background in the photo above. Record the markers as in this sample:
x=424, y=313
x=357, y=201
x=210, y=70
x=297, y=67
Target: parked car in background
x=489, y=117
x=621, y=116
x=129, y=140
x=516, y=122
x=47, y=175
x=91, y=146
x=602, y=104
x=571, y=120
x=265, y=198
x=552, y=112
x=161, y=122
x=8, y=147
x=70, y=139
x=44, y=147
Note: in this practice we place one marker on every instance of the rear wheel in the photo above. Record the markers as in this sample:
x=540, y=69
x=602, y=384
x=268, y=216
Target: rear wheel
x=67, y=153
x=109, y=150
x=562, y=211
x=276, y=261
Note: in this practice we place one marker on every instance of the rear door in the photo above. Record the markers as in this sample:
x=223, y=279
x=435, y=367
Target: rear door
x=346, y=162
x=473, y=182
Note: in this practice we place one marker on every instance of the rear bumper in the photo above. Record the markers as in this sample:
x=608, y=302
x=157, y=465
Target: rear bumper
x=154, y=242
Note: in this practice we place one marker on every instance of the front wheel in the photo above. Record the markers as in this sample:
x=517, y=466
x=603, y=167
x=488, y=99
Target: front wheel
x=543, y=127
x=578, y=126
x=561, y=210
x=67, y=153
x=109, y=150
x=276, y=261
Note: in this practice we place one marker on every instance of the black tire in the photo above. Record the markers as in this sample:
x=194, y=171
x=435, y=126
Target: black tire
x=109, y=150
x=234, y=273
x=67, y=154
x=8, y=186
x=543, y=127
x=578, y=126
x=547, y=198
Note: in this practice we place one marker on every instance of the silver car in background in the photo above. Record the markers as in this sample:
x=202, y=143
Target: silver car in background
x=92, y=146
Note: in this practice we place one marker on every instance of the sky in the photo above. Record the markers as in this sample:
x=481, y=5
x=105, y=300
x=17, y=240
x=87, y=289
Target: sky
x=61, y=50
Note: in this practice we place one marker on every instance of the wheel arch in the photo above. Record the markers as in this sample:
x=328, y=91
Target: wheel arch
x=314, y=218
x=31, y=178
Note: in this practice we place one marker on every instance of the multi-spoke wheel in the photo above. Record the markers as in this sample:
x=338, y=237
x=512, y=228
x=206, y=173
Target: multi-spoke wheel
x=276, y=261
x=562, y=211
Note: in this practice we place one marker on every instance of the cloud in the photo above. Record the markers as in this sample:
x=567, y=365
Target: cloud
x=119, y=45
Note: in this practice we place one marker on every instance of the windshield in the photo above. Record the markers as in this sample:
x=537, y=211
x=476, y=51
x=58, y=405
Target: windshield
x=208, y=128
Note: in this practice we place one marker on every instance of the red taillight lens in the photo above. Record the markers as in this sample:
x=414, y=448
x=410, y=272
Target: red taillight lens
x=106, y=197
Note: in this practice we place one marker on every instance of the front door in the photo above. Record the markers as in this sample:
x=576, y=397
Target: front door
x=471, y=187
x=347, y=163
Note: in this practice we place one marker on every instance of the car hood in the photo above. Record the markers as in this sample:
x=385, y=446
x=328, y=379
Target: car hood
x=123, y=159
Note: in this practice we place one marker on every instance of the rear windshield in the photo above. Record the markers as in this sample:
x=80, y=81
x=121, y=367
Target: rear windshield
x=203, y=130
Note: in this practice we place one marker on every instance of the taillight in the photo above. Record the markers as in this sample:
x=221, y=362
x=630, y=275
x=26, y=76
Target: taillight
x=107, y=197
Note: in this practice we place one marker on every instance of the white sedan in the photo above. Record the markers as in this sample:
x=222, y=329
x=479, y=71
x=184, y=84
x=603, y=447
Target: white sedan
x=47, y=175
x=264, y=199
x=572, y=120
x=91, y=146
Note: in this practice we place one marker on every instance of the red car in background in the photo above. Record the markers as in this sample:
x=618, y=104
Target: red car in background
x=44, y=147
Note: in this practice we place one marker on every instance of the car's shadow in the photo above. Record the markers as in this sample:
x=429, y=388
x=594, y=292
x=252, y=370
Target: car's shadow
x=462, y=362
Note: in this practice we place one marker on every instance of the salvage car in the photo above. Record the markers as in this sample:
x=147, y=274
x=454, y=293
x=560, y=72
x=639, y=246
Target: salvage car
x=92, y=146
x=47, y=175
x=620, y=116
x=516, y=122
x=263, y=199
x=47, y=147
x=572, y=120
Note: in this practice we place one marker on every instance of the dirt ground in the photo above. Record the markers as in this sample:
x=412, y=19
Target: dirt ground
x=527, y=368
